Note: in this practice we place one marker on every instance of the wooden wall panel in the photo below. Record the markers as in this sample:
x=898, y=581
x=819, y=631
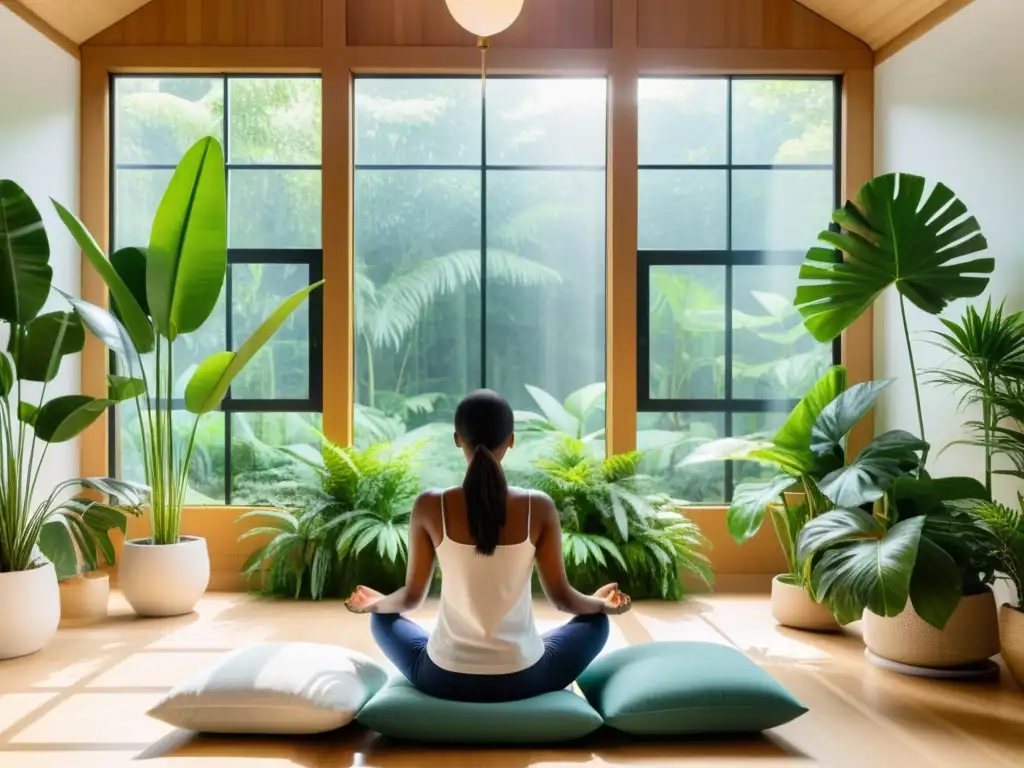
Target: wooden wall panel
x=224, y=23
x=542, y=24
x=765, y=24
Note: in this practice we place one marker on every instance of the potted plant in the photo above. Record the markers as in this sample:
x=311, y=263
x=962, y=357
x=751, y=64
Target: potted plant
x=42, y=532
x=893, y=235
x=159, y=295
x=811, y=456
x=353, y=529
x=614, y=530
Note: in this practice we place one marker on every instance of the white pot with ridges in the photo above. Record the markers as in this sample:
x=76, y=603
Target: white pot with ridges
x=161, y=580
x=29, y=610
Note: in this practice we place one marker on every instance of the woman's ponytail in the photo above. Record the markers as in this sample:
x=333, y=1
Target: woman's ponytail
x=486, y=493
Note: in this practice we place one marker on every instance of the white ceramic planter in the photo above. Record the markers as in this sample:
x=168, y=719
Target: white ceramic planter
x=85, y=598
x=793, y=607
x=29, y=610
x=970, y=636
x=164, y=580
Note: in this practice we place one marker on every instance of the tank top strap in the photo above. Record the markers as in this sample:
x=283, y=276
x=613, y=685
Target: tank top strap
x=444, y=524
x=529, y=510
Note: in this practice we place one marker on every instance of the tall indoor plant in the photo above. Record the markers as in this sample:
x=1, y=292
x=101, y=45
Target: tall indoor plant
x=815, y=472
x=893, y=235
x=42, y=532
x=158, y=295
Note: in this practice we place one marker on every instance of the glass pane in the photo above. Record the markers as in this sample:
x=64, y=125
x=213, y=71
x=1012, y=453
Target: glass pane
x=687, y=332
x=274, y=209
x=780, y=210
x=157, y=118
x=264, y=474
x=682, y=210
x=551, y=121
x=274, y=120
x=418, y=317
x=546, y=285
x=206, y=472
x=280, y=370
x=417, y=121
x=666, y=439
x=683, y=121
x=137, y=195
x=774, y=358
x=744, y=424
x=783, y=121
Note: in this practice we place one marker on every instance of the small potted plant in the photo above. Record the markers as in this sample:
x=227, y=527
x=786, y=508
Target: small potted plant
x=814, y=474
x=158, y=295
x=42, y=534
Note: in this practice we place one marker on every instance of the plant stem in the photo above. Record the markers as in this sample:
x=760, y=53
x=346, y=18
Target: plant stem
x=913, y=377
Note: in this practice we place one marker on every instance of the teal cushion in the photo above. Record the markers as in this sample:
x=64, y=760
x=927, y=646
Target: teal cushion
x=675, y=689
x=400, y=711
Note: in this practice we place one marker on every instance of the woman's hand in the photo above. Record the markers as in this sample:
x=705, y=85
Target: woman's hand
x=363, y=599
x=615, y=602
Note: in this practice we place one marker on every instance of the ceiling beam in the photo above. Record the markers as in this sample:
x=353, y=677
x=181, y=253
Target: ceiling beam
x=42, y=27
x=919, y=29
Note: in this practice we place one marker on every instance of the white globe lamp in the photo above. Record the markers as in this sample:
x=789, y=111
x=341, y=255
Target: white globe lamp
x=485, y=18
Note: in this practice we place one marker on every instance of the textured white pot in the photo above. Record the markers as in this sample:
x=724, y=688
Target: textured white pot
x=793, y=607
x=971, y=635
x=164, y=580
x=29, y=610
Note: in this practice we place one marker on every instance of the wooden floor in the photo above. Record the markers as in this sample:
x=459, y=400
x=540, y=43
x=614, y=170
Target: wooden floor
x=80, y=702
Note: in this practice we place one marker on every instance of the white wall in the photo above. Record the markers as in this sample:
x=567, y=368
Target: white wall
x=39, y=98
x=950, y=107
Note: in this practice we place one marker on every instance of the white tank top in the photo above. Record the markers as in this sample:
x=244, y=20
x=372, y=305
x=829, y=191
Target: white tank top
x=485, y=621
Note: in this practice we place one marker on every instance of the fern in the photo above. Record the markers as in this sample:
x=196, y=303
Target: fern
x=1007, y=524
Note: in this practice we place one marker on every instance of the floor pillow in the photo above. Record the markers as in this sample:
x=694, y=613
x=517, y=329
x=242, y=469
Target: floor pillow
x=686, y=688
x=400, y=711
x=274, y=688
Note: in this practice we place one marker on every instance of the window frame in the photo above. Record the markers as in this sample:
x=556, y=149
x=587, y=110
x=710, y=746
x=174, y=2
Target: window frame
x=312, y=258
x=728, y=258
x=483, y=167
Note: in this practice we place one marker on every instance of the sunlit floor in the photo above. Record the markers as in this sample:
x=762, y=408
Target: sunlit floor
x=80, y=702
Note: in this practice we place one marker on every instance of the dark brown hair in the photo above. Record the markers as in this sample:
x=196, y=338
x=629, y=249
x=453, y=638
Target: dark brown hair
x=484, y=422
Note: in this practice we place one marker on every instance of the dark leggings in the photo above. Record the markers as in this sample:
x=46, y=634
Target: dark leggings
x=568, y=650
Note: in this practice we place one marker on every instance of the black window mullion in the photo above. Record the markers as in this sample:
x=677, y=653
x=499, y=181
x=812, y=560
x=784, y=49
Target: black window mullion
x=727, y=373
x=483, y=234
x=228, y=330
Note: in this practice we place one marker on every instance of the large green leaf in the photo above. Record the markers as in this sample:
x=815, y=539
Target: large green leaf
x=750, y=502
x=130, y=265
x=65, y=418
x=888, y=457
x=46, y=340
x=872, y=572
x=936, y=584
x=129, y=310
x=211, y=379
x=836, y=527
x=188, y=254
x=108, y=329
x=796, y=434
x=6, y=375
x=555, y=412
x=56, y=544
x=25, y=272
x=842, y=414
x=890, y=239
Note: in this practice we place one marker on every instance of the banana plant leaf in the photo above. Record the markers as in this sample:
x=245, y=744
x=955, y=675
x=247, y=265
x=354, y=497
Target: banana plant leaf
x=210, y=381
x=65, y=418
x=889, y=238
x=187, y=256
x=25, y=272
x=45, y=341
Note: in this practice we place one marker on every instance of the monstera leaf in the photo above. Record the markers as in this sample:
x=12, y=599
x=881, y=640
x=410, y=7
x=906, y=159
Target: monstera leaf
x=890, y=238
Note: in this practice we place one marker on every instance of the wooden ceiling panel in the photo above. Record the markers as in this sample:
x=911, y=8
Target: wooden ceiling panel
x=78, y=20
x=876, y=22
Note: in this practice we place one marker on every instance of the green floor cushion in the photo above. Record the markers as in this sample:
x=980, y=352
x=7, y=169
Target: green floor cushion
x=400, y=711
x=677, y=689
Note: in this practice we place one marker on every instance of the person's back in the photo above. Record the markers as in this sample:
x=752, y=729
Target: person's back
x=487, y=538
x=485, y=623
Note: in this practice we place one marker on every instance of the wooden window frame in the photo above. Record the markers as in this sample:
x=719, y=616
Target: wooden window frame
x=623, y=64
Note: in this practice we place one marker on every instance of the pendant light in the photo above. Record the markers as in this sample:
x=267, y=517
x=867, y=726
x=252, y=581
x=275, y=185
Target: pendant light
x=484, y=18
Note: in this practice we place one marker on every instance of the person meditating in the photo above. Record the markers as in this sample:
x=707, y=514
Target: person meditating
x=487, y=537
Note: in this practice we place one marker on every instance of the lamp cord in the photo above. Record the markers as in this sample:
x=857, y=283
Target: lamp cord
x=483, y=44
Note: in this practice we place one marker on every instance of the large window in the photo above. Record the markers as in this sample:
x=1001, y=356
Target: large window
x=270, y=128
x=736, y=178
x=480, y=259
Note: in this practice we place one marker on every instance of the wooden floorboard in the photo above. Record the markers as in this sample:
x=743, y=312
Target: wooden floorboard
x=81, y=702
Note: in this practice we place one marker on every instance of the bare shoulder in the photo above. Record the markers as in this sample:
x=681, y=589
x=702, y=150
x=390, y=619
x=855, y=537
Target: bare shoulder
x=542, y=508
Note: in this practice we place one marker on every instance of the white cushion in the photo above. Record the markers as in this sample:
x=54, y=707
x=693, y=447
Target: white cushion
x=275, y=688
